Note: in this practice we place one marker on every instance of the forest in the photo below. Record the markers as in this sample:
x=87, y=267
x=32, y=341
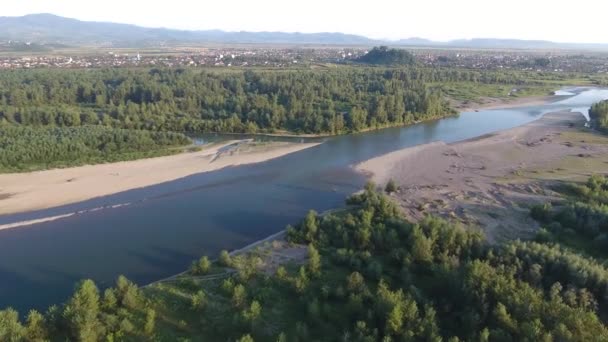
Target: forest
x=333, y=100
x=370, y=275
x=28, y=148
x=188, y=100
x=339, y=99
x=382, y=55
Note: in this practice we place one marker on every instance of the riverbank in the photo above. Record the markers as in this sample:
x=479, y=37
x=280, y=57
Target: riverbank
x=23, y=192
x=492, y=180
x=486, y=103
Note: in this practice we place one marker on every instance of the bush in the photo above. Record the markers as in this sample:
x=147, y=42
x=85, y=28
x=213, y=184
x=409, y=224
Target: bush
x=391, y=187
x=543, y=236
x=541, y=212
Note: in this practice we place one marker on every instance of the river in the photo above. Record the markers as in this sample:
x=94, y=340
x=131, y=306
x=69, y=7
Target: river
x=166, y=226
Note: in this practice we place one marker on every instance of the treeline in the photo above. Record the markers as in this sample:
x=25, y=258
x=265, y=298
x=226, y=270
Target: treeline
x=26, y=148
x=599, y=115
x=345, y=99
x=369, y=276
x=382, y=55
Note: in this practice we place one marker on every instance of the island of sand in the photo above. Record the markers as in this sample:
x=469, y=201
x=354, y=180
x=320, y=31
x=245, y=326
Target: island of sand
x=492, y=181
x=22, y=192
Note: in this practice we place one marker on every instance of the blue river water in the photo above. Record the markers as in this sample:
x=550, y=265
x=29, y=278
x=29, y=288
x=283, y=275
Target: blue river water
x=168, y=225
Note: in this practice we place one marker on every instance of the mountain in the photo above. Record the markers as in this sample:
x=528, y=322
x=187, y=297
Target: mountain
x=494, y=43
x=416, y=41
x=49, y=28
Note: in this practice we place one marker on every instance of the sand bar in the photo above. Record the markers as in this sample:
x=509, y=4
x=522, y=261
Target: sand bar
x=22, y=192
x=491, y=181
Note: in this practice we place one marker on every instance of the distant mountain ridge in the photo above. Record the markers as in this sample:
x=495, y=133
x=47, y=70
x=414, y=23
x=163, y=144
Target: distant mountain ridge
x=53, y=29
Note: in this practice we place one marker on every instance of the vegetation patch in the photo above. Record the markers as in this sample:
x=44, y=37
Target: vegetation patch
x=368, y=275
x=28, y=148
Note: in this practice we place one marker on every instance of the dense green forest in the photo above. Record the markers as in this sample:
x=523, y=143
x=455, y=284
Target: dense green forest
x=345, y=100
x=369, y=276
x=599, y=114
x=26, y=148
x=341, y=99
x=384, y=56
x=333, y=100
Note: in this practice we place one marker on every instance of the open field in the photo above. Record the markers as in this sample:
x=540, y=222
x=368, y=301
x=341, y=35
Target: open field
x=44, y=189
x=491, y=181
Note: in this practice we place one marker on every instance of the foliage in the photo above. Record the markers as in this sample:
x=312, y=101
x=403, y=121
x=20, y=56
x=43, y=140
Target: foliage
x=599, y=114
x=187, y=100
x=105, y=115
x=385, y=56
x=24, y=148
x=391, y=186
x=583, y=219
x=370, y=276
x=201, y=266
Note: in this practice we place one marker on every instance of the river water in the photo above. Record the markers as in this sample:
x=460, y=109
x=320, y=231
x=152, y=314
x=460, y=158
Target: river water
x=166, y=226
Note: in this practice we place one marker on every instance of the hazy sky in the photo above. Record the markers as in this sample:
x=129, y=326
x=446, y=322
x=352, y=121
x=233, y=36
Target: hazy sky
x=557, y=20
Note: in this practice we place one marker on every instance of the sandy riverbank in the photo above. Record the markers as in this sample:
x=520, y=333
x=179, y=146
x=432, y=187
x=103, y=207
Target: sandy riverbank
x=45, y=189
x=491, y=181
x=487, y=103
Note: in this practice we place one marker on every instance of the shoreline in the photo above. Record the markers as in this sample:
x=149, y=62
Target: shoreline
x=24, y=192
x=458, y=106
x=504, y=103
x=280, y=235
x=331, y=135
x=270, y=238
x=490, y=181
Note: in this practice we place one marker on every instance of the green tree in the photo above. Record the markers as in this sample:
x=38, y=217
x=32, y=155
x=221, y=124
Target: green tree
x=36, y=330
x=127, y=293
x=11, y=329
x=225, y=259
x=81, y=312
x=150, y=322
x=391, y=186
x=309, y=226
x=239, y=296
x=314, y=260
x=253, y=313
x=394, y=321
x=199, y=300
x=245, y=338
x=202, y=266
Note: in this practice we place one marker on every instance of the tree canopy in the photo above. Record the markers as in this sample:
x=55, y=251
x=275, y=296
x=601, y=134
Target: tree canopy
x=370, y=275
x=599, y=114
x=25, y=148
x=382, y=55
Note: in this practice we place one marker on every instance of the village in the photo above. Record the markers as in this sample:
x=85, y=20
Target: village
x=286, y=56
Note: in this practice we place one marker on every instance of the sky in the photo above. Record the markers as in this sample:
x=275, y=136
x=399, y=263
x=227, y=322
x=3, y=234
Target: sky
x=580, y=21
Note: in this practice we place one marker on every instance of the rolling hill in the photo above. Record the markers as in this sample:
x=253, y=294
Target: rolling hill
x=52, y=29
x=49, y=28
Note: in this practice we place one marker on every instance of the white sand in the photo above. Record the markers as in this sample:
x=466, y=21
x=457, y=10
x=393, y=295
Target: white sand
x=23, y=192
